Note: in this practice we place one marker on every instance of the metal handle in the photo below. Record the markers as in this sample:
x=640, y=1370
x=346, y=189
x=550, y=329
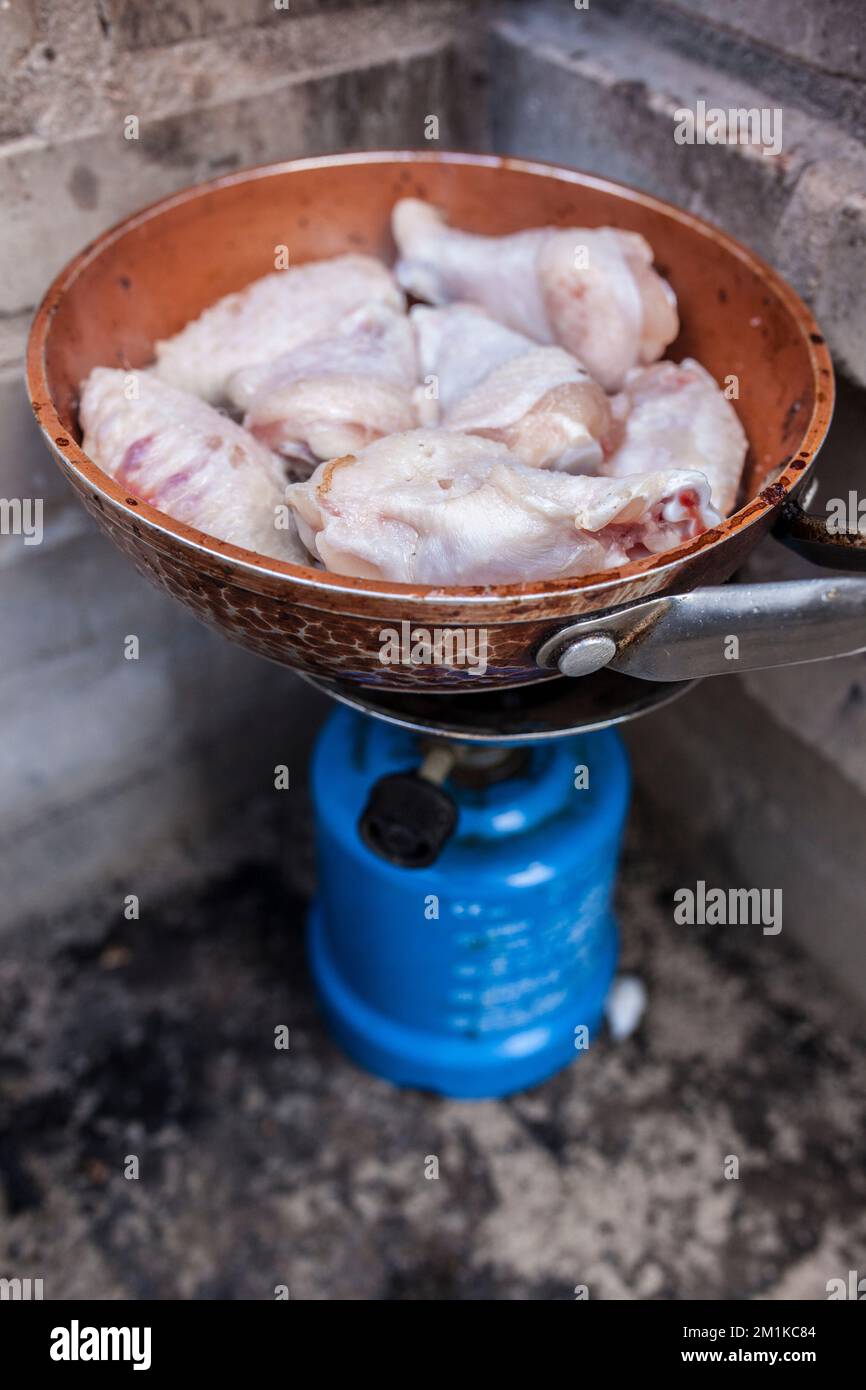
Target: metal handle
x=716, y=631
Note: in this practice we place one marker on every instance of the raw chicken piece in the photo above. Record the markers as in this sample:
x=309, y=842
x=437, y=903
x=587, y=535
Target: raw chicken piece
x=675, y=416
x=498, y=383
x=592, y=291
x=337, y=393
x=434, y=507
x=268, y=318
x=182, y=456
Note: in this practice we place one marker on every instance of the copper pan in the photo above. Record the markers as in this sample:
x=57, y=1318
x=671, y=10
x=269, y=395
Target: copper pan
x=143, y=279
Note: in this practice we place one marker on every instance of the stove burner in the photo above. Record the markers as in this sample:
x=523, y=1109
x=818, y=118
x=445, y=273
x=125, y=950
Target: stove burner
x=546, y=709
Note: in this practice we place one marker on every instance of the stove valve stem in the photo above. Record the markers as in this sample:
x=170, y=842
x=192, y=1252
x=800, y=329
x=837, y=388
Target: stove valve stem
x=408, y=817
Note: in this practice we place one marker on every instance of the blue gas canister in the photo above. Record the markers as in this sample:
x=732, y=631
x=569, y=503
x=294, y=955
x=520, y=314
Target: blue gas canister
x=462, y=937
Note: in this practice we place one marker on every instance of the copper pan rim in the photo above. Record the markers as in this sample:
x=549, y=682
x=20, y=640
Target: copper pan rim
x=243, y=564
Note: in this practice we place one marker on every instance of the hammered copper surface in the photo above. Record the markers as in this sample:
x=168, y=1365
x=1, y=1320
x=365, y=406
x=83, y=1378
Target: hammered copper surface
x=145, y=278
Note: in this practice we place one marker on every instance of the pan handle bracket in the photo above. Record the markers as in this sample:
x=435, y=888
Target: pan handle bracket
x=716, y=631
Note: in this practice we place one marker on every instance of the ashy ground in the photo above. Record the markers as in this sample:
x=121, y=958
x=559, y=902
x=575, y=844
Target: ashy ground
x=259, y=1168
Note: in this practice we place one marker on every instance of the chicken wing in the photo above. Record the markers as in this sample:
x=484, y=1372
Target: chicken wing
x=435, y=507
x=497, y=383
x=593, y=291
x=674, y=416
x=337, y=393
x=187, y=459
x=270, y=317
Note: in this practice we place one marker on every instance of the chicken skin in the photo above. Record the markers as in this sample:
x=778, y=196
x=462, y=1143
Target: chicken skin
x=592, y=291
x=335, y=394
x=495, y=382
x=188, y=460
x=673, y=415
x=269, y=318
x=553, y=443
x=442, y=508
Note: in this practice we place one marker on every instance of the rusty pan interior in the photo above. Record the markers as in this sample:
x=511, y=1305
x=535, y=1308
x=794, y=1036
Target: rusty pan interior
x=147, y=277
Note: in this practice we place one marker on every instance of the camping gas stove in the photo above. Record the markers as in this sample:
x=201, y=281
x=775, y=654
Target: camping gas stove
x=463, y=937
x=521, y=856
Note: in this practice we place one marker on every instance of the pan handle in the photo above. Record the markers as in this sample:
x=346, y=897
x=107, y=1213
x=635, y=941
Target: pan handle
x=716, y=631
x=813, y=538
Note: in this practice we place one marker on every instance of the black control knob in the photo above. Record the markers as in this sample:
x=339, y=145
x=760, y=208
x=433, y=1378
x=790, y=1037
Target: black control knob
x=407, y=820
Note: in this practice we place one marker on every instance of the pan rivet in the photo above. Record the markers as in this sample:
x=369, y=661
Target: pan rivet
x=587, y=654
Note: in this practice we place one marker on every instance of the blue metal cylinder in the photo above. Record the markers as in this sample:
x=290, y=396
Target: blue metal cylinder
x=487, y=971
